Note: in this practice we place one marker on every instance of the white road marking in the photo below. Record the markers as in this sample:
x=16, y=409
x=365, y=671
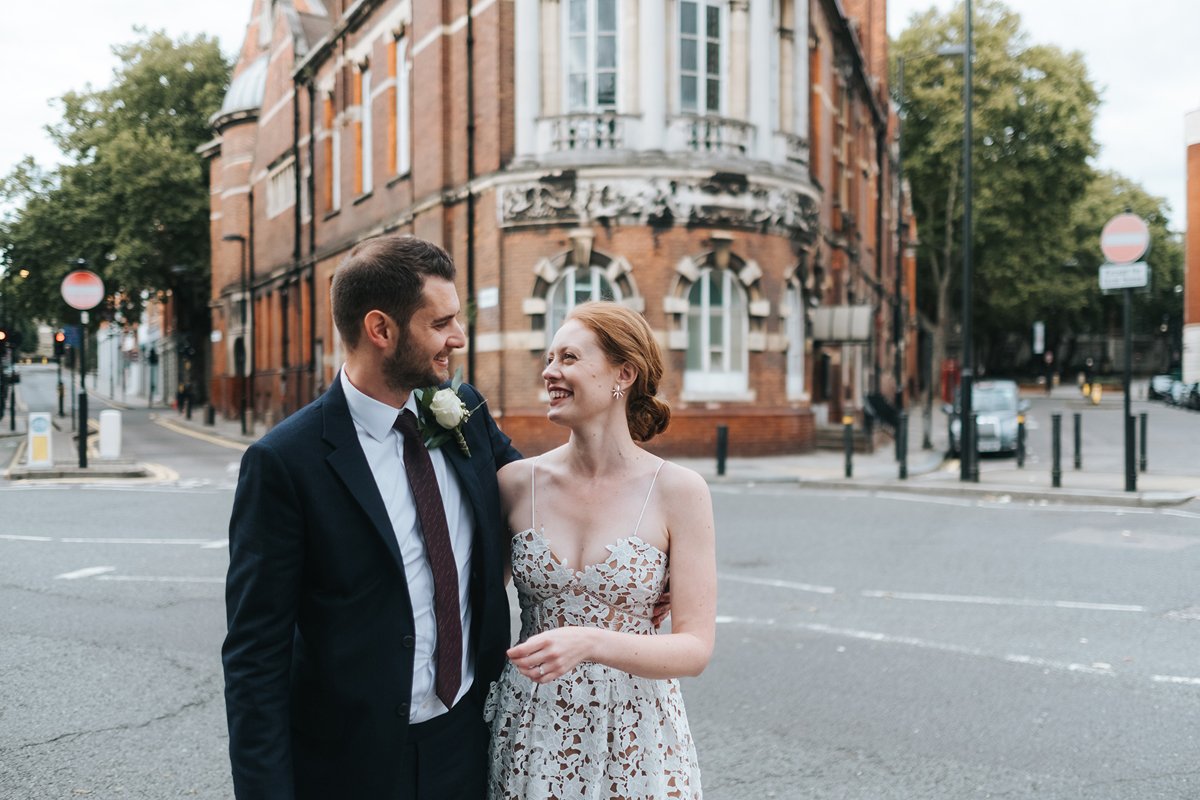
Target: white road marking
x=1174, y=512
x=25, y=538
x=139, y=541
x=999, y=601
x=87, y=572
x=926, y=644
x=918, y=498
x=155, y=579
x=1176, y=679
x=215, y=545
x=803, y=587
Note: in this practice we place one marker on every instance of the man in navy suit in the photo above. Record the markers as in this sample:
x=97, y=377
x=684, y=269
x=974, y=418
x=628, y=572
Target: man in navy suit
x=365, y=598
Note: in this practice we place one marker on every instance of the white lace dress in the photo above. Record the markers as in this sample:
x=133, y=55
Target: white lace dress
x=597, y=732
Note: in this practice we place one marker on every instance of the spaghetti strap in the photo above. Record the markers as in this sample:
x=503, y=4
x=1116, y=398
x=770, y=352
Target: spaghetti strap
x=533, y=495
x=647, y=503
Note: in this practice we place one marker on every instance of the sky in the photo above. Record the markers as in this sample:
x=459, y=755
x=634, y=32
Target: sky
x=1142, y=55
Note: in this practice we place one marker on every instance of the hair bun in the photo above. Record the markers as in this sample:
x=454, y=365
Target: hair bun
x=648, y=417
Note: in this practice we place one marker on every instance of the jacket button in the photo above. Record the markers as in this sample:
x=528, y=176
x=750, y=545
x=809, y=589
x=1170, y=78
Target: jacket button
x=402, y=710
x=409, y=641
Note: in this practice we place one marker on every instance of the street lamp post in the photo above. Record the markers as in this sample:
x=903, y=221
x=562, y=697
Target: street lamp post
x=967, y=470
x=234, y=237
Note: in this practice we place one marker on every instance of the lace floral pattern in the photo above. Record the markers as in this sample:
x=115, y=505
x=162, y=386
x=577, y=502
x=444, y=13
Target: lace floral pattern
x=595, y=733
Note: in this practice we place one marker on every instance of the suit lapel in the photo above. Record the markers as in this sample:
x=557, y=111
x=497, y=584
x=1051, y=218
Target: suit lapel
x=348, y=461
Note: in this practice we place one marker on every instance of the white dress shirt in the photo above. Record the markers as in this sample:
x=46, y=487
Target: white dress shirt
x=383, y=446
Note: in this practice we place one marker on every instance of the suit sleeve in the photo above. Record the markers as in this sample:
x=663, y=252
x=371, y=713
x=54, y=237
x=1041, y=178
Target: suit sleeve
x=501, y=445
x=262, y=591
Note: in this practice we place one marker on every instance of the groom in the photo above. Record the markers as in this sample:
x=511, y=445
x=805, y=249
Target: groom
x=365, y=599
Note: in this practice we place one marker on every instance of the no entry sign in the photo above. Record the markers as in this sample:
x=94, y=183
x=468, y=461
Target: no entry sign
x=83, y=289
x=1124, y=239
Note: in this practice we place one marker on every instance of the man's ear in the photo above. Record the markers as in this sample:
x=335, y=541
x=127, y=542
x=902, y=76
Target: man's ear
x=379, y=329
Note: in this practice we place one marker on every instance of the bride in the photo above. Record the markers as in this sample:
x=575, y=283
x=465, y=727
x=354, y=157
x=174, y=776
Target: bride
x=588, y=705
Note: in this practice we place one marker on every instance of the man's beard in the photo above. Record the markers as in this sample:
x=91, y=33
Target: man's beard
x=404, y=371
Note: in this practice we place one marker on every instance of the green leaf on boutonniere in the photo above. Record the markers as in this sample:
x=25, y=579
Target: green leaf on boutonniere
x=457, y=382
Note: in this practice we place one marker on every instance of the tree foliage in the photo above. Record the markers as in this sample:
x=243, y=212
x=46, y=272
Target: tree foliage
x=1032, y=138
x=131, y=200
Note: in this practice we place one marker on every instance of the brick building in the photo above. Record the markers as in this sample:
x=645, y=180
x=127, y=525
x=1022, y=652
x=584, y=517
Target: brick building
x=1191, y=277
x=725, y=167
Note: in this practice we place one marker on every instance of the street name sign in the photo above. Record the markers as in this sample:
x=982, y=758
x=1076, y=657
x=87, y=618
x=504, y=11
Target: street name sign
x=1125, y=239
x=83, y=289
x=1124, y=276
x=71, y=335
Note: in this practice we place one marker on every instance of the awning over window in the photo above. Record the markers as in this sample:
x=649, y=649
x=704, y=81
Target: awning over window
x=842, y=324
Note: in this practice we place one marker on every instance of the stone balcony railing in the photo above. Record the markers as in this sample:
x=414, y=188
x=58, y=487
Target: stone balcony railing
x=605, y=131
x=716, y=136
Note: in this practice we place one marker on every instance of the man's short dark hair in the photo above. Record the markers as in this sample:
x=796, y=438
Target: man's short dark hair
x=385, y=274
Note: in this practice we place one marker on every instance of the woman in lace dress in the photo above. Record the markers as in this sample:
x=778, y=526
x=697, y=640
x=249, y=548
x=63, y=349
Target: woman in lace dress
x=589, y=705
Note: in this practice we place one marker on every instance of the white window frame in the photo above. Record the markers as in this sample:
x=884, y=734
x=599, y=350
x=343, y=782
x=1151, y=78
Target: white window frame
x=567, y=283
x=591, y=106
x=706, y=380
x=336, y=166
x=305, y=198
x=702, y=109
x=368, y=149
x=281, y=187
x=794, y=328
x=402, y=100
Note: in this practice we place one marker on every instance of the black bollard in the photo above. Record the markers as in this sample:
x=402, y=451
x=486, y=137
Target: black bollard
x=902, y=445
x=1130, y=456
x=722, y=448
x=848, y=443
x=12, y=411
x=210, y=414
x=1020, y=441
x=1142, y=443
x=1056, y=449
x=1079, y=435
x=83, y=430
x=974, y=448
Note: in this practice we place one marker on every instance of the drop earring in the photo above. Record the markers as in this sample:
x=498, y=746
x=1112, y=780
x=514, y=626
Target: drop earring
x=618, y=393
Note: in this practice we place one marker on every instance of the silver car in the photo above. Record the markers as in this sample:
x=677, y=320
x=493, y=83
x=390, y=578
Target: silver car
x=996, y=407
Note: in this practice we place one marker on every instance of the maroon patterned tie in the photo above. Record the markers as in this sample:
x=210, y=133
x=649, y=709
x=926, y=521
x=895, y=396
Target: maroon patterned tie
x=441, y=558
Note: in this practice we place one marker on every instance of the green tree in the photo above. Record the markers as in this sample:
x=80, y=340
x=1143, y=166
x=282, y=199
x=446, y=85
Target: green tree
x=131, y=202
x=1032, y=137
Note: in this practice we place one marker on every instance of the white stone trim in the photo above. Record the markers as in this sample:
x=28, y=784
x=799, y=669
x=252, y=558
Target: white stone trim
x=1191, y=128
x=532, y=306
x=759, y=308
x=675, y=305
x=687, y=268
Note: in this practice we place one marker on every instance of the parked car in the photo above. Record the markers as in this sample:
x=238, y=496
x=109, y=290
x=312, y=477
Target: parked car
x=1192, y=397
x=12, y=374
x=996, y=407
x=1179, y=393
x=1160, y=387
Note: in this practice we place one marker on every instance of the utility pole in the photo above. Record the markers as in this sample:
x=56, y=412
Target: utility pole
x=968, y=444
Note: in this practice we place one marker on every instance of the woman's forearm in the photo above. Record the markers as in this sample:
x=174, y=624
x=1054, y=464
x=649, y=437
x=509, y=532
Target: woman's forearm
x=672, y=655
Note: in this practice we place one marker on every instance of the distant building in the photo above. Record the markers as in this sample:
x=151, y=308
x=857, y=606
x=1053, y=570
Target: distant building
x=1191, y=278
x=724, y=168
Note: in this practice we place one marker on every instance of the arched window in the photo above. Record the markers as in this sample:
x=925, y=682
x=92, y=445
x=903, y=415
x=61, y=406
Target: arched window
x=717, y=330
x=794, y=301
x=575, y=286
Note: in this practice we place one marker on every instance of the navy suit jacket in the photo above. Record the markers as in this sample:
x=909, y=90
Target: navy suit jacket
x=319, y=653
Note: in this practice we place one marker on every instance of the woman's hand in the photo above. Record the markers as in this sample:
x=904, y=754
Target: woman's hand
x=548, y=656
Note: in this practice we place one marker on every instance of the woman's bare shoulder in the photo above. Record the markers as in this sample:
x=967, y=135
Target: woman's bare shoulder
x=514, y=473
x=683, y=485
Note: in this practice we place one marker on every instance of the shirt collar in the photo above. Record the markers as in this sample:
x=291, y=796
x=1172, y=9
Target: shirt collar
x=371, y=415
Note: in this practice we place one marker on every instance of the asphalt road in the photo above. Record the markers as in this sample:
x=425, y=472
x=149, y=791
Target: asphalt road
x=868, y=647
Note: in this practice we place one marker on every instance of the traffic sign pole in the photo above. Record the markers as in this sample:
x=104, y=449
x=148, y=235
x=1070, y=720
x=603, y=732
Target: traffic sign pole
x=1130, y=462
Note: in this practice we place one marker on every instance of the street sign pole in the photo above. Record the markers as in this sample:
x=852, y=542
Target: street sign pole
x=1130, y=462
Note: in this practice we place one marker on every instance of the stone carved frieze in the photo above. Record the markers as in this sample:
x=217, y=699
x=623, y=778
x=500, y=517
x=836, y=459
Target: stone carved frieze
x=719, y=200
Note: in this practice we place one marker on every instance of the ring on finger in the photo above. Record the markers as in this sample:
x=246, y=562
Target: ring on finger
x=541, y=669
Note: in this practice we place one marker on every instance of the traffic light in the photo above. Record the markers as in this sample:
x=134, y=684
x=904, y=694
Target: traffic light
x=60, y=344
x=3, y=337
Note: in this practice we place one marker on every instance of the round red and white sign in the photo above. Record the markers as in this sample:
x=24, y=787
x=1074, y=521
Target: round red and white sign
x=83, y=289
x=1124, y=239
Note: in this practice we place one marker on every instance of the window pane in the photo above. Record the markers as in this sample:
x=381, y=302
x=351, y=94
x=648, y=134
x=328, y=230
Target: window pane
x=713, y=20
x=578, y=16
x=716, y=328
x=558, y=306
x=578, y=92
x=716, y=291
x=712, y=98
x=687, y=93
x=737, y=320
x=606, y=89
x=694, y=359
x=577, y=53
x=606, y=52
x=606, y=15
x=687, y=18
x=712, y=60
x=687, y=55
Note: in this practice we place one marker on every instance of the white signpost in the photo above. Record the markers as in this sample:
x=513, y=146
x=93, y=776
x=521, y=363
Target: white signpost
x=40, y=447
x=1124, y=240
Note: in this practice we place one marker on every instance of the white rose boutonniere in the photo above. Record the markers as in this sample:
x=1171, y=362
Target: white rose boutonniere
x=448, y=412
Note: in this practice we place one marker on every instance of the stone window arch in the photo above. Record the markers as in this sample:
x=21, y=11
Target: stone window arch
x=719, y=312
x=562, y=283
